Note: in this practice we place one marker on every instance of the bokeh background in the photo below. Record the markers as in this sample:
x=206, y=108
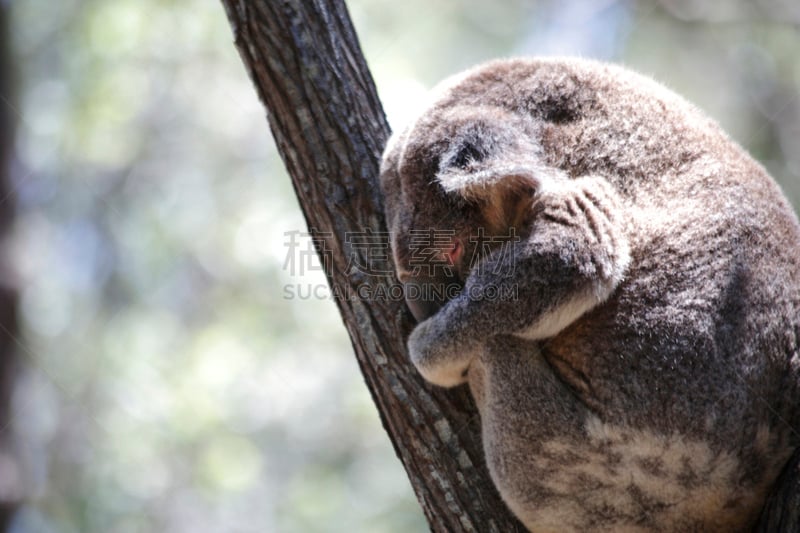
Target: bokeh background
x=169, y=380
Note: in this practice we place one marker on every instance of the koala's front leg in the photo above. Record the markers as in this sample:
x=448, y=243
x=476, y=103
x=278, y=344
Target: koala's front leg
x=571, y=259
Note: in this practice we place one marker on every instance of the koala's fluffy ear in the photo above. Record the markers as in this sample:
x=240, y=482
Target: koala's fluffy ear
x=489, y=156
x=503, y=190
x=482, y=184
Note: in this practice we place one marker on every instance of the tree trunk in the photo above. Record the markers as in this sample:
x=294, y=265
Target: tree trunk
x=305, y=61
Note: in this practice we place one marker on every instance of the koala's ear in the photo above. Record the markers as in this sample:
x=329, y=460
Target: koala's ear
x=483, y=165
x=483, y=184
x=504, y=193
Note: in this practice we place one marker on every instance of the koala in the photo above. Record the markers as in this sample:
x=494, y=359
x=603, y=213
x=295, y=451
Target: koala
x=626, y=301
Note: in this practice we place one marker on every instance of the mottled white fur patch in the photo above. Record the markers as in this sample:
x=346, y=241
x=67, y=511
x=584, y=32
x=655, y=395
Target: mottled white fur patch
x=650, y=481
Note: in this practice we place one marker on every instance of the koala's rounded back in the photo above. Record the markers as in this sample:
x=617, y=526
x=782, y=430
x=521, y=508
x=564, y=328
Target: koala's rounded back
x=646, y=373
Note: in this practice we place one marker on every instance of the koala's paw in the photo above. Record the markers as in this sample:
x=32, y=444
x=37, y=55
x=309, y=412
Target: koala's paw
x=436, y=355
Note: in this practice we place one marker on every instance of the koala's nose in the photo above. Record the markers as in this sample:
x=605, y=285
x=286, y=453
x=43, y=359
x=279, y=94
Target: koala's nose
x=425, y=295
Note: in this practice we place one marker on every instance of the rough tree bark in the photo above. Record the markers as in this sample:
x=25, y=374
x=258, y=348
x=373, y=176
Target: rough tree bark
x=304, y=59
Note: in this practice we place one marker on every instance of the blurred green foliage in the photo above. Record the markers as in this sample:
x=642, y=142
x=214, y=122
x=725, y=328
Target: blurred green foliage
x=169, y=383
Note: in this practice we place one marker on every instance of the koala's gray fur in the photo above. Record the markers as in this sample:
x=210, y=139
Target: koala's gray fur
x=646, y=376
